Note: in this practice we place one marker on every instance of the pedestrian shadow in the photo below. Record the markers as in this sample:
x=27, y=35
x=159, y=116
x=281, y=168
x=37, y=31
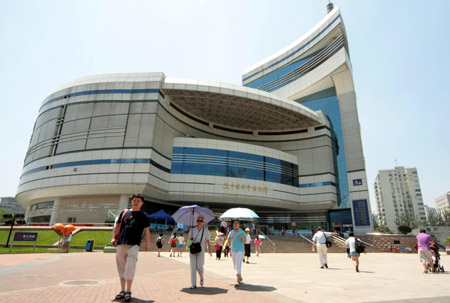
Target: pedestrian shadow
x=205, y=291
x=134, y=299
x=366, y=272
x=251, y=287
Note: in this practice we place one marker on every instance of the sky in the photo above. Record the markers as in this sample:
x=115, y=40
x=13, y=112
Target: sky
x=399, y=52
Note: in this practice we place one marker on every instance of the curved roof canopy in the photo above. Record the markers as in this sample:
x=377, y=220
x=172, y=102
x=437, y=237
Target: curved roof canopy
x=239, y=107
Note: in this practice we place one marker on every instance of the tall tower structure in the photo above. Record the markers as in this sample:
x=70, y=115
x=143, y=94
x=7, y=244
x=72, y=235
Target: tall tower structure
x=397, y=191
x=316, y=71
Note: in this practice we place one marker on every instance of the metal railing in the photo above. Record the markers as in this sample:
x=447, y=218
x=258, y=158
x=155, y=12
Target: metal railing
x=271, y=242
x=339, y=238
x=306, y=238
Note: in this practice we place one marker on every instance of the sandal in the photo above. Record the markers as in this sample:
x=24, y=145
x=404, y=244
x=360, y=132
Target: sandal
x=120, y=295
x=127, y=297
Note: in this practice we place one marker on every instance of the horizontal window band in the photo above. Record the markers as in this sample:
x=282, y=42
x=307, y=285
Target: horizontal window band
x=98, y=162
x=106, y=91
x=294, y=53
x=327, y=183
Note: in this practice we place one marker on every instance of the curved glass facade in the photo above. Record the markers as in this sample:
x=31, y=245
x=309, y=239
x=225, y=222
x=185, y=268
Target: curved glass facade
x=328, y=102
x=226, y=163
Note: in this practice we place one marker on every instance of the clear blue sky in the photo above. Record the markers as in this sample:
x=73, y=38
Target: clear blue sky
x=400, y=52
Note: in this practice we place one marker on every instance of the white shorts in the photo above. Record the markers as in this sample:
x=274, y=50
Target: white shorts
x=425, y=255
x=126, y=258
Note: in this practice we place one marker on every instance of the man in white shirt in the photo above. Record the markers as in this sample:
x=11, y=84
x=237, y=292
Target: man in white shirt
x=320, y=243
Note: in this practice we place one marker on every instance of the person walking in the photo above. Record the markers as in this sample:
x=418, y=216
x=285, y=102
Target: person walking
x=130, y=226
x=219, y=244
x=258, y=244
x=159, y=243
x=319, y=243
x=248, y=243
x=173, y=244
x=237, y=239
x=181, y=244
x=201, y=235
x=424, y=250
x=351, y=242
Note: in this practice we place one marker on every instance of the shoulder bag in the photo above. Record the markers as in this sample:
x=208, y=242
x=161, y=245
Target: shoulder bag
x=196, y=247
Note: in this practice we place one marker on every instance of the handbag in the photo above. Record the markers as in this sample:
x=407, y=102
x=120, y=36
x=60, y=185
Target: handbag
x=327, y=242
x=196, y=247
x=119, y=225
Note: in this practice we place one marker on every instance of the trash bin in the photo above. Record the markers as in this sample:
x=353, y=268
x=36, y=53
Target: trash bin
x=89, y=245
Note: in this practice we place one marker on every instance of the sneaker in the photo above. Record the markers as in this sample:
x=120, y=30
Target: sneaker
x=321, y=267
x=201, y=282
x=193, y=287
x=326, y=266
x=357, y=269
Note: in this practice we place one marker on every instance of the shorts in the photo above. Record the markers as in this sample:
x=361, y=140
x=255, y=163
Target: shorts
x=425, y=255
x=159, y=245
x=180, y=245
x=354, y=254
x=247, y=250
x=173, y=245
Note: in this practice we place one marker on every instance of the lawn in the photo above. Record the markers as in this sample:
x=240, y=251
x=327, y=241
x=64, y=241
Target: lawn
x=100, y=237
x=49, y=237
x=29, y=250
x=45, y=237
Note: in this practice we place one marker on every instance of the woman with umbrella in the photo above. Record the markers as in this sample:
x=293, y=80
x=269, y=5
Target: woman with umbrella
x=200, y=235
x=237, y=239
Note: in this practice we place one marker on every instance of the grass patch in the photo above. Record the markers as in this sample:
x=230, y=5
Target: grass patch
x=101, y=237
x=45, y=237
x=29, y=250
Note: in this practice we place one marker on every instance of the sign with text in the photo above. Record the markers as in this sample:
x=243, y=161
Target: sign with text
x=357, y=182
x=361, y=213
x=21, y=236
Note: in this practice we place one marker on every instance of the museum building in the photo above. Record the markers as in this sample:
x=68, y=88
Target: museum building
x=286, y=143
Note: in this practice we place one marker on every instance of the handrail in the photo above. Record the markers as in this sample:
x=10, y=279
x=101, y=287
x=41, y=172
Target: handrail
x=343, y=240
x=274, y=245
x=306, y=238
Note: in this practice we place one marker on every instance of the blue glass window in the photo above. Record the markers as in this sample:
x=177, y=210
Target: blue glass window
x=214, y=162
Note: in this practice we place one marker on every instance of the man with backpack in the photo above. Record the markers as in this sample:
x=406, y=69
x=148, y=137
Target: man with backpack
x=159, y=243
x=355, y=248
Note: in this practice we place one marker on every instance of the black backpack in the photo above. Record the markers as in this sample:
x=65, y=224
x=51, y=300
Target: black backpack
x=360, y=247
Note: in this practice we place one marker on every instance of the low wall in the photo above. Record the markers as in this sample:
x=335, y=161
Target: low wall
x=391, y=243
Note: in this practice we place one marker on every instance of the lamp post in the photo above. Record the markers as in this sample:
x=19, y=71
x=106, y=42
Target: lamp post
x=12, y=219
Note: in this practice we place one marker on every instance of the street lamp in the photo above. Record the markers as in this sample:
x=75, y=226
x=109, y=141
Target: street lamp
x=13, y=219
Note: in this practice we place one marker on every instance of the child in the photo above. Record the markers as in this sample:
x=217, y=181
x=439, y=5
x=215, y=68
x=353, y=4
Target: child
x=159, y=243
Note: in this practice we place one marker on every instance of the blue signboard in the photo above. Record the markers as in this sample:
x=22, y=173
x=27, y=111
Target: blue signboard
x=20, y=236
x=357, y=182
x=361, y=213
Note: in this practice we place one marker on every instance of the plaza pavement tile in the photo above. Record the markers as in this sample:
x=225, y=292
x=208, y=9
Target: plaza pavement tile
x=92, y=277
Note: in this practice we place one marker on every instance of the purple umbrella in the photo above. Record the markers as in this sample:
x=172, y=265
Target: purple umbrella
x=188, y=215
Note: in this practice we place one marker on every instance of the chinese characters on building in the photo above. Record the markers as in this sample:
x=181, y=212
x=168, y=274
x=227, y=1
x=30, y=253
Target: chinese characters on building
x=244, y=187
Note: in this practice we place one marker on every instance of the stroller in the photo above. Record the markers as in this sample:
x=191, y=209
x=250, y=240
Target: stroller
x=437, y=267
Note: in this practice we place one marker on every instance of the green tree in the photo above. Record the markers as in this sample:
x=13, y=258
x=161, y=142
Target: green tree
x=406, y=220
x=445, y=218
x=2, y=212
x=433, y=220
x=375, y=221
x=447, y=241
x=383, y=229
x=404, y=229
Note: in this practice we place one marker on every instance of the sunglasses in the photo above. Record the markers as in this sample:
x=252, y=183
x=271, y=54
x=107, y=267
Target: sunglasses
x=199, y=220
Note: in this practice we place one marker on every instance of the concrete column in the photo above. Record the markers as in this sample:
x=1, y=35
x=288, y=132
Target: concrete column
x=55, y=212
x=123, y=202
x=27, y=212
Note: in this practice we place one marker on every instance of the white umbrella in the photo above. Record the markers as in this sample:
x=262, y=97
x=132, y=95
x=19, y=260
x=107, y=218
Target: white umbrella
x=239, y=213
x=188, y=214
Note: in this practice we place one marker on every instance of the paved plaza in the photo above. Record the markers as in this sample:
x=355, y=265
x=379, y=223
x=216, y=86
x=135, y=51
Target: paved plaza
x=92, y=277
